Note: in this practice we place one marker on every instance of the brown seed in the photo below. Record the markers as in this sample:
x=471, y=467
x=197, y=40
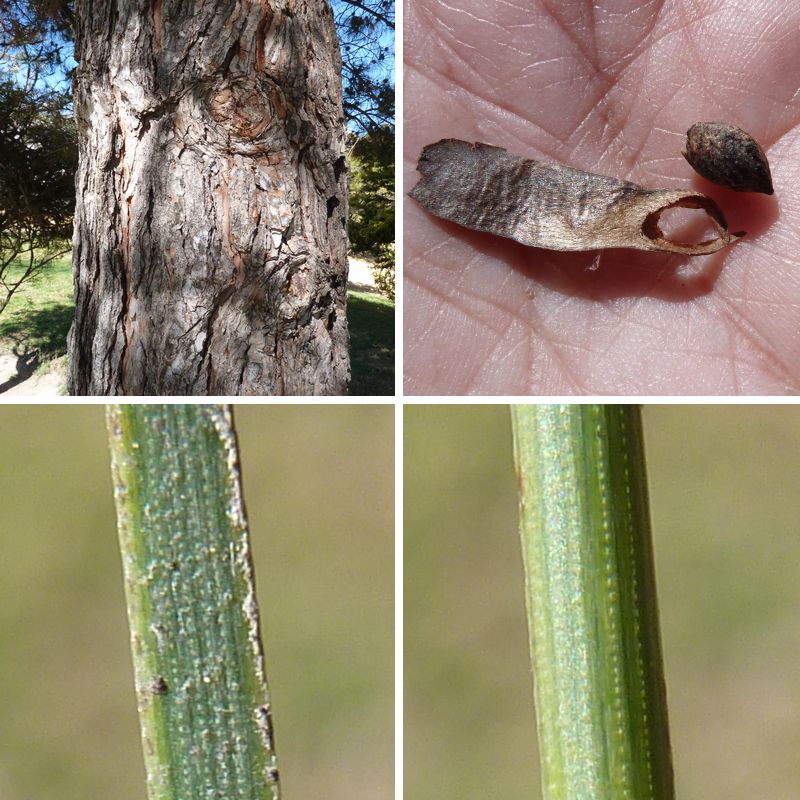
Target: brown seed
x=488, y=189
x=729, y=156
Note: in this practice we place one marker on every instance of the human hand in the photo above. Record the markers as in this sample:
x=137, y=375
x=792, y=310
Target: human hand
x=614, y=93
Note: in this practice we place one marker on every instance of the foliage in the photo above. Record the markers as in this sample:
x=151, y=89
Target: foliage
x=383, y=270
x=372, y=190
x=37, y=191
x=186, y=550
x=366, y=35
x=37, y=140
x=36, y=39
x=371, y=223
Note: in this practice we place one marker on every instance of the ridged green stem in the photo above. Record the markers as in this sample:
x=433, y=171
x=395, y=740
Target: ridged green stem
x=198, y=661
x=591, y=598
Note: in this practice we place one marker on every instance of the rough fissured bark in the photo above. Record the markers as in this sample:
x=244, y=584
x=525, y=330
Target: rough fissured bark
x=210, y=245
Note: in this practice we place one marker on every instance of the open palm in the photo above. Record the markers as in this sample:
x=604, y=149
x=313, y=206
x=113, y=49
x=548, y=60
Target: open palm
x=609, y=88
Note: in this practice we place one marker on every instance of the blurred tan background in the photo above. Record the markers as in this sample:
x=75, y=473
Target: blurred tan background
x=725, y=498
x=319, y=489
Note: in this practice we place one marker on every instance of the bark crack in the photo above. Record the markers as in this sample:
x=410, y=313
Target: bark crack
x=210, y=321
x=286, y=234
x=121, y=326
x=261, y=36
x=147, y=229
x=113, y=16
x=233, y=52
x=339, y=167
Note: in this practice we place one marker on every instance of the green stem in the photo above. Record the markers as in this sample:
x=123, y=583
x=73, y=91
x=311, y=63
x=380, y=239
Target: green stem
x=198, y=660
x=591, y=598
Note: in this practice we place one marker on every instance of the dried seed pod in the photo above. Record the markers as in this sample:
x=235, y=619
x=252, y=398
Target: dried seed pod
x=729, y=156
x=488, y=189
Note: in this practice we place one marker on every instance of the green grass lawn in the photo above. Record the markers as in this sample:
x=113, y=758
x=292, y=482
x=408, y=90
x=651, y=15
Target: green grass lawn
x=39, y=316
x=371, y=320
x=40, y=313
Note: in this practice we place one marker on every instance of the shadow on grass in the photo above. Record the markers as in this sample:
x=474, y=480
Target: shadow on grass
x=43, y=329
x=371, y=322
x=35, y=336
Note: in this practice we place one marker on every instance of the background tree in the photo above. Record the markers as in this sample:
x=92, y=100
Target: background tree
x=366, y=30
x=372, y=202
x=39, y=30
x=366, y=33
x=37, y=189
x=38, y=148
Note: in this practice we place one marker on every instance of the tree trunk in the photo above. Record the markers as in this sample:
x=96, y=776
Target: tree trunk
x=210, y=245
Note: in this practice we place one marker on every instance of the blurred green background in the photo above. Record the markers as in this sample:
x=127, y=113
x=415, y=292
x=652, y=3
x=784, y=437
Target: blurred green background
x=725, y=499
x=319, y=487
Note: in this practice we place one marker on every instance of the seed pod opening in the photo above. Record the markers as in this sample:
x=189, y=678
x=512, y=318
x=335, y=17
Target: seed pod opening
x=488, y=189
x=729, y=156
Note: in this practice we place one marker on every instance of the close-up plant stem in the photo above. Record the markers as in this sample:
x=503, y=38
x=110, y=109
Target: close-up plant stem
x=591, y=599
x=199, y=672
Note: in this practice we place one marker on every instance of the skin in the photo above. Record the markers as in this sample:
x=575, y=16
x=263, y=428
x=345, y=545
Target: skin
x=610, y=90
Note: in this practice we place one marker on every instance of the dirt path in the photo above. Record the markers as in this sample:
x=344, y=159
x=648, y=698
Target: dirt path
x=16, y=381
x=21, y=379
x=360, y=277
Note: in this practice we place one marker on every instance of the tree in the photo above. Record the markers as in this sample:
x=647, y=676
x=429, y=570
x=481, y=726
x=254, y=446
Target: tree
x=39, y=30
x=37, y=189
x=366, y=32
x=210, y=225
x=38, y=148
x=371, y=190
x=372, y=202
